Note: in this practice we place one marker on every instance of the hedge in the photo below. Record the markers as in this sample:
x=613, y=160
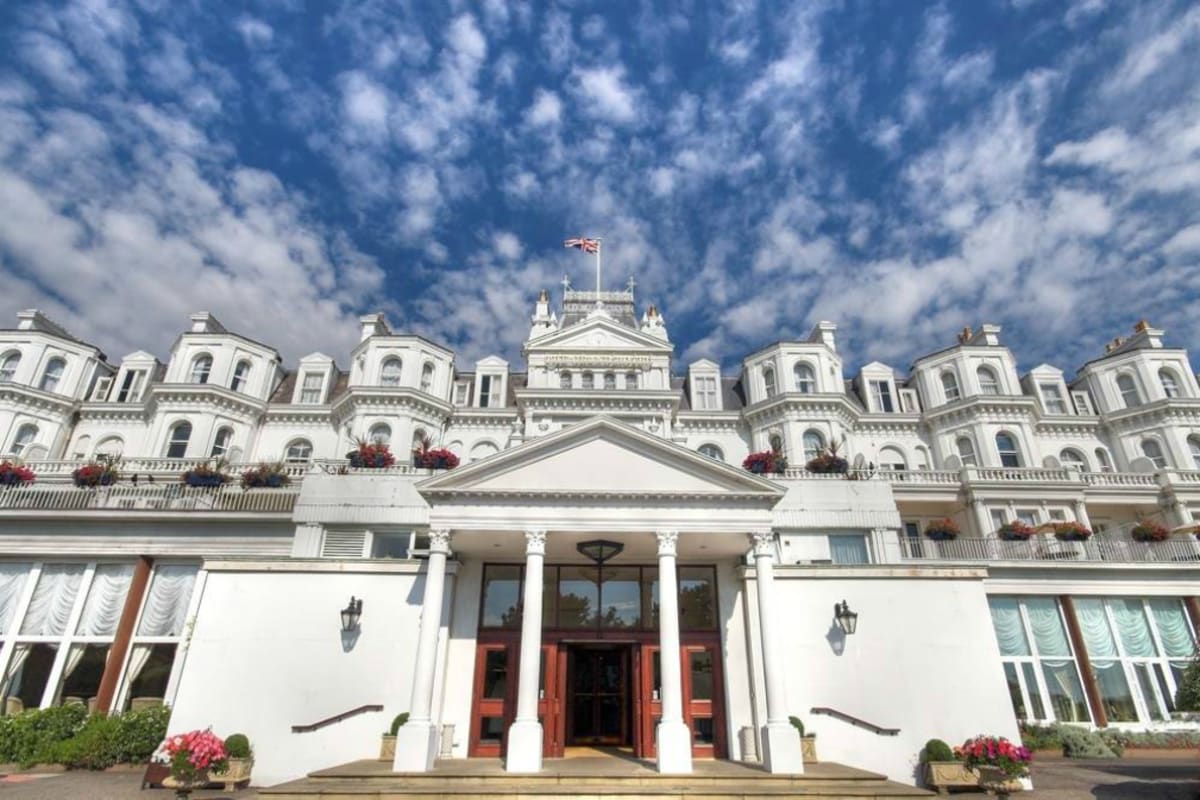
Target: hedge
x=67, y=735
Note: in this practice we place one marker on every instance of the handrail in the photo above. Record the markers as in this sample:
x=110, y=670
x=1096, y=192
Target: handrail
x=855, y=721
x=354, y=712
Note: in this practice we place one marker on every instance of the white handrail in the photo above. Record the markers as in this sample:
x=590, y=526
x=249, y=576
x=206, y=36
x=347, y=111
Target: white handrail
x=229, y=498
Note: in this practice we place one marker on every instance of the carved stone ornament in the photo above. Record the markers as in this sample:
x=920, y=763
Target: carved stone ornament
x=611, y=360
x=439, y=541
x=535, y=543
x=666, y=542
x=764, y=543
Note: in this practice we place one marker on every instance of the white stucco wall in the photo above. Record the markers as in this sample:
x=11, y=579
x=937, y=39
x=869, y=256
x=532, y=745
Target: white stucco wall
x=267, y=653
x=924, y=660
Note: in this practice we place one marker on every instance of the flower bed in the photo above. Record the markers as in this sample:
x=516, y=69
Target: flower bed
x=942, y=530
x=95, y=474
x=15, y=475
x=766, y=461
x=1149, y=532
x=1015, y=531
x=1071, y=532
x=371, y=455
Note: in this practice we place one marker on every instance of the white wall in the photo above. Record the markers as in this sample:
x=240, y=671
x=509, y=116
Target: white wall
x=267, y=653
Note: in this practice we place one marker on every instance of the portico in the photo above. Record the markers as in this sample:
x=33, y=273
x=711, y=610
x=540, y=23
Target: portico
x=585, y=639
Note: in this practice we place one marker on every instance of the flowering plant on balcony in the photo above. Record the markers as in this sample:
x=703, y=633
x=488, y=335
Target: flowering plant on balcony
x=192, y=754
x=829, y=461
x=1071, y=532
x=766, y=461
x=266, y=476
x=371, y=455
x=14, y=474
x=997, y=753
x=1015, y=531
x=96, y=473
x=208, y=474
x=1149, y=532
x=431, y=457
x=942, y=530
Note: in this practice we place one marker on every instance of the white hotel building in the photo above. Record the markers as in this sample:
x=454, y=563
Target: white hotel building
x=485, y=619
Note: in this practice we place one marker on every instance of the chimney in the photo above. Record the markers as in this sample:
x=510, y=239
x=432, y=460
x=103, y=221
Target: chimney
x=204, y=322
x=823, y=333
x=374, y=325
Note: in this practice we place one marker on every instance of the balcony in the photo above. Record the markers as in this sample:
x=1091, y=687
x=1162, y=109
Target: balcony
x=159, y=468
x=1044, y=548
x=1013, y=475
x=148, y=498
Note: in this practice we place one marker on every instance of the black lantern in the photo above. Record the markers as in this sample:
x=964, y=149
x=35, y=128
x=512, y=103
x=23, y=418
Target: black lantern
x=600, y=550
x=847, y=620
x=351, y=614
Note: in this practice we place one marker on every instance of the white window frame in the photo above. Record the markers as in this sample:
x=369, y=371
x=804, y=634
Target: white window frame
x=197, y=375
x=304, y=391
x=881, y=395
x=951, y=390
x=992, y=383
x=130, y=390
x=805, y=376
x=1052, y=399
x=1034, y=659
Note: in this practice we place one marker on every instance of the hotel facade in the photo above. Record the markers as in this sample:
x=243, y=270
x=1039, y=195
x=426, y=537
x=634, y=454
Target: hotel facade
x=599, y=570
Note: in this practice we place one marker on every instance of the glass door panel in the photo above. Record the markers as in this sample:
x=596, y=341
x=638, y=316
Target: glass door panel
x=494, y=701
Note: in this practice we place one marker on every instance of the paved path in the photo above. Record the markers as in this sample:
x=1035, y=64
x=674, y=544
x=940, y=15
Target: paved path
x=97, y=786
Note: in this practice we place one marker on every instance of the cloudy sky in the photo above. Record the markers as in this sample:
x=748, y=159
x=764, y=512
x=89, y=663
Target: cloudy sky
x=903, y=170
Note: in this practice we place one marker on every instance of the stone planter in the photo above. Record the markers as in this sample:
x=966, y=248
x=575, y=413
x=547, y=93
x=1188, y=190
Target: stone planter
x=808, y=749
x=942, y=775
x=387, y=748
x=183, y=788
x=996, y=782
x=237, y=772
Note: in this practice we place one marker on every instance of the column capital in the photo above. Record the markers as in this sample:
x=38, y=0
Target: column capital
x=439, y=540
x=763, y=542
x=666, y=542
x=535, y=543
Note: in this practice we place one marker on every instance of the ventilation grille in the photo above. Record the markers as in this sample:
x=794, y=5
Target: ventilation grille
x=343, y=544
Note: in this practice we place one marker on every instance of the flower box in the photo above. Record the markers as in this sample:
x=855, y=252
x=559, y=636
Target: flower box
x=375, y=455
x=808, y=749
x=15, y=475
x=265, y=476
x=942, y=530
x=764, y=462
x=426, y=457
x=946, y=774
x=95, y=475
x=828, y=464
x=1149, y=532
x=204, y=478
x=1071, y=532
x=1015, y=531
x=237, y=771
x=387, y=748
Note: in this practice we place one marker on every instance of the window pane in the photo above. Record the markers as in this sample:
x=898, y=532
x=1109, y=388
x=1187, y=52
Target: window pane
x=697, y=598
x=1114, y=692
x=105, y=600
x=28, y=674
x=12, y=581
x=167, y=601
x=1130, y=617
x=491, y=729
x=1066, y=693
x=148, y=674
x=81, y=675
x=620, y=596
x=549, y=597
x=1049, y=636
x=1014, y=690
x=702, y=731
x=495, y=675
x=1173, y=627
x=578, y=597
x=1093, y=624
x=1031, y=686
x=53, y=600
x=701, y=665
x=650, y=597
x=501, y=596
x=1146, y=685
x=1010, y=632
x=849, y=549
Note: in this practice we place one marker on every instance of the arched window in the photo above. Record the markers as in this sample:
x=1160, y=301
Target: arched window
x=966, y=451
x=891, y=458
x=564, y=380
x=806, y=380
x=81, y=447
x=589, y=380
x=380, y=433
x=298, y=451
x=389, y=373
x=418, y=440
x=950, y=386
x=922, y=457
x=988, y=384
x=177, y=441
x=1153, y=451
x=221, y=442
x=482, y=450
x=1129, y=391
x=427, y=377
x=110, y=447
x=1194, y=447
x=1006, y=446
x=52, y=375
x=631, y=380
x=1103, y=460
x=240, y=374
x=25, y=436
x=769, y=381
x=8, y=367
x=610, y=380
x=1170, y=384
x=712, y=451
x=814, y=443
x=1073, y=459
x=201, y=367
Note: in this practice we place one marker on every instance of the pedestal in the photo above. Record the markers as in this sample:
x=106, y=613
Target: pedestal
x=524, y=747
x=673, y=743
x=416, y=747
x=781, y=748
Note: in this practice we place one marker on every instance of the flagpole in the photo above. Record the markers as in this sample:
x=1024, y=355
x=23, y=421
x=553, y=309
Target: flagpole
x=599, y=244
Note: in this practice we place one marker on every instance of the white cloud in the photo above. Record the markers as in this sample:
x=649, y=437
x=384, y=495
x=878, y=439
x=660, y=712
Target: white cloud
x=365, y=103
x=254, y=32
x=1148, y=56
x=546, y=109
x=602, y=93
x=1185, y=241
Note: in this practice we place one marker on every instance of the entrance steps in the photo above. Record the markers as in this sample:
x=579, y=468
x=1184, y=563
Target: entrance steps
x=612, y=778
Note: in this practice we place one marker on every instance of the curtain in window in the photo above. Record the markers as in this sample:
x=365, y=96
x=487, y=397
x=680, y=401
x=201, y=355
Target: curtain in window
x=1010, y=633
x=106, y=599
x=1132, y=627
x=1114, y=690
x=137, y=662
x=1066, y=694
x=53, y=599
x=74, y=657
x=166, y=603
x=12, y=580
x=1173, y=627
x=1094, y=626
x=848, y=549
x=1047, y=627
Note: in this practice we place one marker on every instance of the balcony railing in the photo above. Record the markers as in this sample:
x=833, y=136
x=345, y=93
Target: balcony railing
x=158, y=467
x=1023, y=475
x=341, y=466
x=230, y=498
x=1048, y=548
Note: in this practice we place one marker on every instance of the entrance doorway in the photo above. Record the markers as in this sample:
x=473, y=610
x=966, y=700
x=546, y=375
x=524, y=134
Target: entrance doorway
x=598, y=695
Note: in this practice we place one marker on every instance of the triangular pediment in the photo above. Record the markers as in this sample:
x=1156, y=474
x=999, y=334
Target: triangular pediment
x=602, y=456
x=598, y=333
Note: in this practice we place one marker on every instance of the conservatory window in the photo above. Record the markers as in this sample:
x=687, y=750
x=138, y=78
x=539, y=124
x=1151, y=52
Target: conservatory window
x=988, y=384
x=806, y=380
x=1129, y=391
x=1039, y=664
x=159, y=630
x=53, y=374
x=201, y=368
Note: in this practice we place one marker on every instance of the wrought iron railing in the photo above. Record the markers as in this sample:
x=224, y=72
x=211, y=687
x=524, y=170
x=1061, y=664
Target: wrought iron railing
x=142, y=497
x=1046, y=547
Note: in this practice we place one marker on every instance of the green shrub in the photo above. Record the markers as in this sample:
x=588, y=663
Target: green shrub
x=140, y=733
x=1187, y=696
x=1082, y=743
x=937, y=750
x=32, y=737
x=1122, y=740
x=94, y=746
x=1041, y=737
x=797, y=723
x=237, y=745
x=399, y=720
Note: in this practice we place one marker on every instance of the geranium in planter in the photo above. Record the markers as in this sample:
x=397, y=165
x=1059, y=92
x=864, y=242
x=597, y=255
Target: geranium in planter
x=829, y=461
x=766, y=461
x=240, y=757
x=96, y=473
x=1071, y=532
x=1149, y=532
x=999, y=761
x=942, y=530
x=371, y=455
x=191, y=756
x=1015, y=531
x=265, y=476
x=15, y=475
x=430, y=457
x=208, y=475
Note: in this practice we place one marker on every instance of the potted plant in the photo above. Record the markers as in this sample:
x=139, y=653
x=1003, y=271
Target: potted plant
x=1146, y=531
x=239, y=761
x=808, y=742
x=829, y=461
x=1071, y=532
x=430, y=457
x=766, y=461
x=191, y=755
x=371, y=455
x=96, y=473
x=266, y=476
x=1015, y=531
x=942, y=530
x=387, y=747
x=942, y=769
x=207, y=475
x=998, y=761
x=15, y=474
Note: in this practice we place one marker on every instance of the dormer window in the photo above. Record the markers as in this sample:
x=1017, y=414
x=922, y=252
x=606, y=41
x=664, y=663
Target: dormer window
x=712, y=451
x=131, y=387
x=988, y=383
x=487, y=390
x=610, y=380
x=1129, y=391
x=240, y=374
x=53, y=374
x=881, y=394
x=8, y=367
x=806, y=379
x=1052, y=399
x=310, y=389
x=769, y=386
x=705, y=392
x=950, y=386
x=631, y=380
x=427, y=377
x=564, y=380
x=389, y=374
x=201, y=368
x=1170, y=385
x=589, y=380
x=460, y=393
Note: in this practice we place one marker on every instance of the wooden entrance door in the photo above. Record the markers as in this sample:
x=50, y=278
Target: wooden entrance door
x=494, y=705
x=703, y=706
x=598, y=696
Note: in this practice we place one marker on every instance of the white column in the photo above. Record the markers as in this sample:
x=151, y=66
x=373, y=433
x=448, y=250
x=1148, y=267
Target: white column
x=525, y=734
x=417, y=740
x=983, y=519
x=780, y=741
x=672, y=739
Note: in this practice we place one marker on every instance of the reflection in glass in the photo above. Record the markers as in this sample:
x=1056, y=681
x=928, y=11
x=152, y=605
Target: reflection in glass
x=502, y=596
x=620, y=595
x=495, y=675
x=1014, y=690
x=82, y=673
x=702, y=731
x=1066, y=694
x=148, y=674
x=28, y=673
x=650, y=596
x=1035, y=696
x=578, y=597
x=1114, y=692
x=491, y=729
x=549, y=597
x=701, y=665
x=697, y=599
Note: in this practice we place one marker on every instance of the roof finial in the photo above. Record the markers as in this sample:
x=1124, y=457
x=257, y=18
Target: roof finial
x=566, y=283
x=631, y=285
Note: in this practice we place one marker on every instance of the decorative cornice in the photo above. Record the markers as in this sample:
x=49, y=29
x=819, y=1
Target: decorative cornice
x=28, y=397
x=667, y=541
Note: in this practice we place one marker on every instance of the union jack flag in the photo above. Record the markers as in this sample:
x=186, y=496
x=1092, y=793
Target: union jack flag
x=586, y=245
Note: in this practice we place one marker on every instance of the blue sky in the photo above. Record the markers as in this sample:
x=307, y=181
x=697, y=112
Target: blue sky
x=901, y=169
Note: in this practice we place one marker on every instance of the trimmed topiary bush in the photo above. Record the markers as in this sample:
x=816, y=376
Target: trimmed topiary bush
x=798, y=724
x=1082, y=743
x=399, y=720
x=237, y=745
x=937, y=750
x=1187, y=697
